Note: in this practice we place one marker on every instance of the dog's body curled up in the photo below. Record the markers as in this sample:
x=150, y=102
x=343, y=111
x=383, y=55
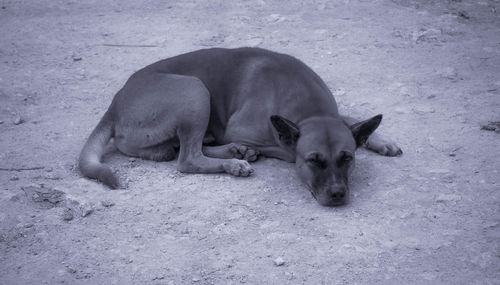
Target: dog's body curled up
x=246, y=102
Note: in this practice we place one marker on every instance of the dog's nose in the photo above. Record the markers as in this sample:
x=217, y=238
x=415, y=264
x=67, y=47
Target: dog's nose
x=338, y=196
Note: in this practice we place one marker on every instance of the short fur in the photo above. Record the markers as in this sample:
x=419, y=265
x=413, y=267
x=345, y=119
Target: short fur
x=250, y=102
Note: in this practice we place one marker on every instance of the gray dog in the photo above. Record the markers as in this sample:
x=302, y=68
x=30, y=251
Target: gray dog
x=222, y=108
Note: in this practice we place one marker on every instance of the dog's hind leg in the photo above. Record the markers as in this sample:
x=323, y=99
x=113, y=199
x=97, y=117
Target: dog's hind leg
x=376, y=143
x=194, y=115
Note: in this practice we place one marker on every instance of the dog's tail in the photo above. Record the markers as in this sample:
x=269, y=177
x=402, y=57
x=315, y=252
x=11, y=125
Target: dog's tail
x=93, y=150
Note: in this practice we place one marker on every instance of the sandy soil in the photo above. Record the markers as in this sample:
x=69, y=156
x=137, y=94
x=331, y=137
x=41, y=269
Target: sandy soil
x=431, y=216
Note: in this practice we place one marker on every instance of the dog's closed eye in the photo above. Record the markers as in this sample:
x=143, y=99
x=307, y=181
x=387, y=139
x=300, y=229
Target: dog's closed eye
x=345, y=158
x=317, y=160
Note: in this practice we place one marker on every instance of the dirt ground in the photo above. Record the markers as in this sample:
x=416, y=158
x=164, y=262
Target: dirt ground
x=431, y=216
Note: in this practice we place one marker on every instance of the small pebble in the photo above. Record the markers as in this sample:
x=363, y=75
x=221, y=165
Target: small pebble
x=18, y=120
x=14, y=178
x=279, y=261
x=448, y=73
x=464, y=15
x=68, y=214
x=107, y=203
x=87, y=211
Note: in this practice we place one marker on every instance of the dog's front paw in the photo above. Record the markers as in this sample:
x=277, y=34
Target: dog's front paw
x=238, y=167
x=243, y=152
x=251, y=155
x=384, y=147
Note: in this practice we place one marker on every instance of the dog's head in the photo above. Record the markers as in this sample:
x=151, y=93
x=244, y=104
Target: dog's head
x=324, y=148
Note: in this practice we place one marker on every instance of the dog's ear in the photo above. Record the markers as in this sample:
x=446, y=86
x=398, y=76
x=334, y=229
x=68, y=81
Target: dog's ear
x=362, y=130
x=288, y=132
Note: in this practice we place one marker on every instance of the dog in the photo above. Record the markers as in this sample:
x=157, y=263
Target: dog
x=222, y=108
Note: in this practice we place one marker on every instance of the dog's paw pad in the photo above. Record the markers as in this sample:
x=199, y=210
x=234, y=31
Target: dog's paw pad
x=238, y=167
x=243, y=152
x=251, y=155
x=238, y=150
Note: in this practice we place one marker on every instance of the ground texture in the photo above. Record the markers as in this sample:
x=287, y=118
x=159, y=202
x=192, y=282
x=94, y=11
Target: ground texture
x=431, y=216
